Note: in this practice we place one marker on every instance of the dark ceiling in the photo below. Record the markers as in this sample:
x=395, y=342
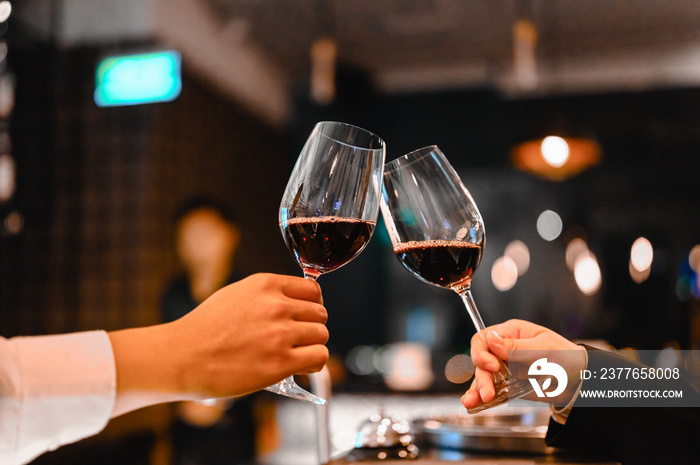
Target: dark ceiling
x=259, y=51
x=449, y=43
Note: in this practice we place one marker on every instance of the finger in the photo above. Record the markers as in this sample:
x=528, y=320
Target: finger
x=309, y=359
x=301, y=288
x=477, y=342
x=306, y=334
x=484, y=384
x=499, y=345
x=517, y=329
x=485, y=360
x=515, y=349
x=311, y=312
x=480, y=354
x=471, y=398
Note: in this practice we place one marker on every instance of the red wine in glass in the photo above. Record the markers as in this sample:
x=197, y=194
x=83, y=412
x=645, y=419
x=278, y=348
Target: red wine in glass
x=444, y=263
x=323, y=244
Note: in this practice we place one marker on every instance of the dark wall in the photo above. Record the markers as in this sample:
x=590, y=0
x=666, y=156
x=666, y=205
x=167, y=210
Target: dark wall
x=98, y=188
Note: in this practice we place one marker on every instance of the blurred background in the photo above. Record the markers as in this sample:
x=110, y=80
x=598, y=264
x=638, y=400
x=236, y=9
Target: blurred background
x=594, y=234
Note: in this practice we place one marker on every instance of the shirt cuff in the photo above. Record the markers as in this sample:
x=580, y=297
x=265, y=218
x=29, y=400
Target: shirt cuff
x=560, y=415
x=68, y=388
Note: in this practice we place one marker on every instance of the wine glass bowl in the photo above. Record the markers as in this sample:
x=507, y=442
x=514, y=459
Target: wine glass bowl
x=438, y=234
x=443, y=263
x=435, y=227
x=330, y=206
x=323, y=244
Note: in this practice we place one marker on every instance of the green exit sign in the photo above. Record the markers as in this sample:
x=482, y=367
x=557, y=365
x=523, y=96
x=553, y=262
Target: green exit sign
x=136, y=79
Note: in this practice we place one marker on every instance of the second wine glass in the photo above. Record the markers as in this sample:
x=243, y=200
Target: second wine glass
x=438, y=235
x=330, y=206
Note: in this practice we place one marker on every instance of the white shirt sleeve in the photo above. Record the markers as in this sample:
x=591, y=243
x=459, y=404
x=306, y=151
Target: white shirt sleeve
x=54, y=390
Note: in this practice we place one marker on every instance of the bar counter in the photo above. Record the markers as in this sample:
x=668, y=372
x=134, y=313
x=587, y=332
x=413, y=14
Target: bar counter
x=348, y=412
x=441, y=457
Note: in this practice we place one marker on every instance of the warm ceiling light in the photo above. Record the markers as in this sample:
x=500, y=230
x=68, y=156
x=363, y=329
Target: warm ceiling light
x=524, y=54
x=324, y=53
x=555, y=150
x=556, y=158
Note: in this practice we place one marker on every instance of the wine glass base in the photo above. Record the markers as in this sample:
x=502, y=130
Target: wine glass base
x=510, y=390
x=292, y=390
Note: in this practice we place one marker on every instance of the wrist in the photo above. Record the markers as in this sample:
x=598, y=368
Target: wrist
x=147, y=360
x=150, y=366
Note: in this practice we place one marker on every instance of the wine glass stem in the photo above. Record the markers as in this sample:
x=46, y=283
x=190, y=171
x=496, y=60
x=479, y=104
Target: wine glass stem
x=466, y=295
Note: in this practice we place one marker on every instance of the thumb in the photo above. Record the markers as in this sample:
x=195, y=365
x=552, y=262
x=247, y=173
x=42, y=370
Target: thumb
x=513, y=351
x=499, y=346
x=516, y=350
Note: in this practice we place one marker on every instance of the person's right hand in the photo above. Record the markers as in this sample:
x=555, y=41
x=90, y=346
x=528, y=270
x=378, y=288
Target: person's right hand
x=244, y=337
x=518, y=341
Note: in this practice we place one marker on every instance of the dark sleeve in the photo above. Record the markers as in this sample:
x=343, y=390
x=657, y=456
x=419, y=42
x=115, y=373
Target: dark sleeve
x=632, y=435
x=176, y=300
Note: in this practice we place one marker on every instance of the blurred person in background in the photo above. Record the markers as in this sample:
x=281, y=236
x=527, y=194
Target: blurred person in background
x=219, y=431
x=633, y=435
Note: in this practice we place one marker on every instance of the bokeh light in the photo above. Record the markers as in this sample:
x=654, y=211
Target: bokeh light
x=555, y=151
x=459, y=369
x=641, y=254
x=360, y=360
x=668, y=357
x=13, y=223
x=406, y=366
x=7, y=177
x=549, y=225
x=694, y=258
x=520, y=254
x=688, y=284
x=575, y=249
x=630, y=353
x=7, y=87
x=5, y=10
x=504, y=273
x=686, y=287
x=691, y=361
x=639, y=276
x=587, y=275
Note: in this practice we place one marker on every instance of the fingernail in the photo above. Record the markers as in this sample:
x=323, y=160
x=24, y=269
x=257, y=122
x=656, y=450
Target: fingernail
x=481, y=392
x=498, y=337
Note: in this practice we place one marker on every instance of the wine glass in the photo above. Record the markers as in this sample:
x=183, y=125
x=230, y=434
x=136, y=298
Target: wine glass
x=330, y=206
x=438, y=235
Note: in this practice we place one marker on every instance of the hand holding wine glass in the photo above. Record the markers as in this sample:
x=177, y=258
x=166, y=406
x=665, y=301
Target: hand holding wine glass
x=330, y=206
x=438, y=235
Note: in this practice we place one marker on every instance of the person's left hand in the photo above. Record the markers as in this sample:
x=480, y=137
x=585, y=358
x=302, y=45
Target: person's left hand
x=517, y=340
